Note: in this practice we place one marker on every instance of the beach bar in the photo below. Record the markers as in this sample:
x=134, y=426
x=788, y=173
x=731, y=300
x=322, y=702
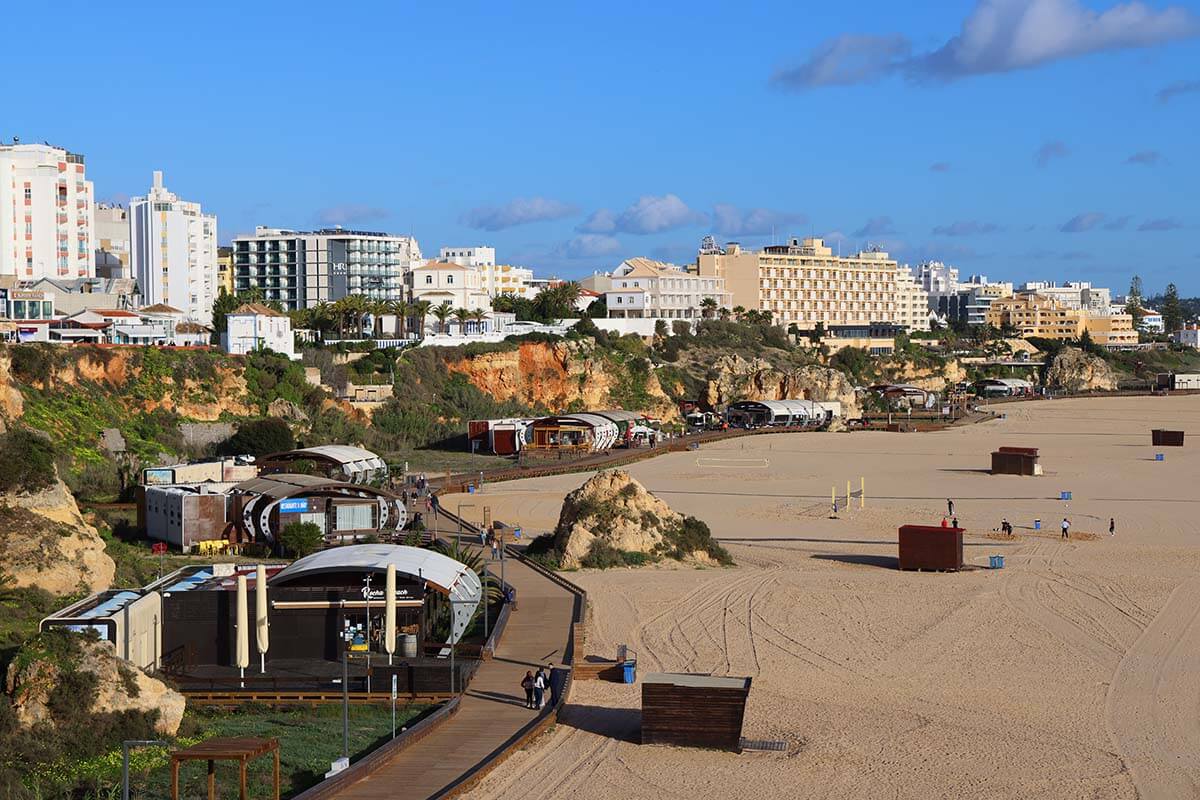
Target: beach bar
x=1016, y=461
x=694, y=710
x=1164, y=438
x=931, y=547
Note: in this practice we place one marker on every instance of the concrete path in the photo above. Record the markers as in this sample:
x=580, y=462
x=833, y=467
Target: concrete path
x=493, y=709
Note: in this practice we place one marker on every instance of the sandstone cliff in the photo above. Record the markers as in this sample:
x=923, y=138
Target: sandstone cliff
x=614, y=511
x=734, y=378
x=557, y=376
x=36, y=672
x=1076, y=371
x=46, y=543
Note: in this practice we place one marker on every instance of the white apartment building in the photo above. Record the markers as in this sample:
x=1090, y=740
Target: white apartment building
x=642, y=288
x=1188, y=336
x=469, y=256
x=300, y=269
x=253, y=327
x=47, y=213
x=442, y=282
x=937, y=278
x=912, y=301
x=112, y=241
x=803, y=282
x=173, y=252
x=1072, y=294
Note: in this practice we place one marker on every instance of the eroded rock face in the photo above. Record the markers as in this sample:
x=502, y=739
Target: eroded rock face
x=286, y=410
x=734, y=378
x=615, y=508
x=45, y=542
x=555, y=376
x=1076, y=371
x=33, y=677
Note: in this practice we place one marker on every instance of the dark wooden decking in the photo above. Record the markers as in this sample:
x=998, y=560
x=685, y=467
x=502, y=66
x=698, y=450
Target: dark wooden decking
x=493, y=709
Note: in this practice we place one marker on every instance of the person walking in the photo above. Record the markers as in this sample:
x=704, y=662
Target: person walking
x=1112, y=526
x=1066, y=528
x=539, y=688
x=550, y=685
x=949, y=507
x=527, y=685
x=435, y=504
x=495, y=543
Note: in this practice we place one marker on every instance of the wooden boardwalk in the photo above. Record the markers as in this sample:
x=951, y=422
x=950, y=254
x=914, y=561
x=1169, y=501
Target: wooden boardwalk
x=493, y=708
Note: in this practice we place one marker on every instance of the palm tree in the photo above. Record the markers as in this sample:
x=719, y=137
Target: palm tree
x=478, y=316
x=461, y=315
x=442, y=313
x=400, y=309
x=708, y=307
x=724, y=314
x=341, y=312
x=320, y=317
x=421, y=309
x=378, y=308
x=358, y=308
x=739, y=312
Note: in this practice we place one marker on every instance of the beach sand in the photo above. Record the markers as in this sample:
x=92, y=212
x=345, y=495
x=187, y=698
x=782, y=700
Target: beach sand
x=1072, y=672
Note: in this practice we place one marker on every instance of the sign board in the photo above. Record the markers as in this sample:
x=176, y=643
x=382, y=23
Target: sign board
x=294, y=505
x=158, y=477
x=26, y=294
x=158, y=548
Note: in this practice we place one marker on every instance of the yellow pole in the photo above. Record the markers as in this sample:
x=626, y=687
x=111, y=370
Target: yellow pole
x=833, y=497
x=862, y=494
x=847, y=494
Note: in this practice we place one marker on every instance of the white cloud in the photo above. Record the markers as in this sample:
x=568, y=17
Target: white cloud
x=728, y=220
x=520, y=211
x=876, y=226
x=600, y=221
x=1081, y=223
x=997, y=36
x=588, y=245
x=652, y=214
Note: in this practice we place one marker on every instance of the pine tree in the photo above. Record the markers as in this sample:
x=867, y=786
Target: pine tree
x=1172, y=311
x=1133, y=303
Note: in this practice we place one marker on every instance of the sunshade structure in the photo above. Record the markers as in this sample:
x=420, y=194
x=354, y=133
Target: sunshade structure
x=259, y=502
x=584, y=431
x=442, y=574
x=341, y=461
x=777, y=412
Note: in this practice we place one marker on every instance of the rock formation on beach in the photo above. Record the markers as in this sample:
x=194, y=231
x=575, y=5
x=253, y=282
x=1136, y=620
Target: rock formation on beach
x=614, y=514
x=107, y=684
x=733, y=378
x=45, y=543
x=1076, y=371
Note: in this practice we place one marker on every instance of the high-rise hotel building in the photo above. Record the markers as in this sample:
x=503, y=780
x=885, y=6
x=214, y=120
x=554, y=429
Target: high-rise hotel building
x=803, y=282
x=47, y=213
x=173, y=252
x=300, y=269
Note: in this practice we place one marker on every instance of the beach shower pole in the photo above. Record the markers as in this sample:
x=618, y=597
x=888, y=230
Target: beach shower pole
x=345, y=707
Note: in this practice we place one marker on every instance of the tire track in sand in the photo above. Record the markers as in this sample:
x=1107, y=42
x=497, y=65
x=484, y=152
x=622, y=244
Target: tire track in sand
x=1154, y=700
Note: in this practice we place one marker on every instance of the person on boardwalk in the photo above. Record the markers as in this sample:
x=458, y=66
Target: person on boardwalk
x=539, y=688
x=1066, y=528
x=527, y=685
x=550, y=685
x=435, y=504
x=1112, y=526
x=949, y=507
x=494, y=541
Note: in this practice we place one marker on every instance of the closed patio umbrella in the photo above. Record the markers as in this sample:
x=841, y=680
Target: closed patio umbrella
x=389, y=613
x=260, y=615
x=242, y=647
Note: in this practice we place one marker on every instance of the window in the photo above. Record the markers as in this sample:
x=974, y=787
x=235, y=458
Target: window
x=449, y=279
x=428, y=280
x=28, y=194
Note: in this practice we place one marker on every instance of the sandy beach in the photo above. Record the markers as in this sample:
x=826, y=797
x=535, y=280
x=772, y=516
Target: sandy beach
x=1069, y=673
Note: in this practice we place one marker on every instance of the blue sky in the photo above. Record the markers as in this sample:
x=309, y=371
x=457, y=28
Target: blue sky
x=1022, y=139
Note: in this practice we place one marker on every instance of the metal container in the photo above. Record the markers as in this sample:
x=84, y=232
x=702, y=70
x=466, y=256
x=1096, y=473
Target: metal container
x=930, y=547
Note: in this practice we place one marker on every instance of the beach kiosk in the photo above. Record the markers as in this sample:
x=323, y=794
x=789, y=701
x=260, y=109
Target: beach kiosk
x=694, y=710
x=1016, y=461
x=931, y=547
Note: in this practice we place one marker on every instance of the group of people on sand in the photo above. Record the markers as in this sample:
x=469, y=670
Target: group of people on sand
x=951, y=521
x=536, y=686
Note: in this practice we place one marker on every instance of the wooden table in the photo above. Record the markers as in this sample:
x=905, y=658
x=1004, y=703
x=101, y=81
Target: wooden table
x=241, y=749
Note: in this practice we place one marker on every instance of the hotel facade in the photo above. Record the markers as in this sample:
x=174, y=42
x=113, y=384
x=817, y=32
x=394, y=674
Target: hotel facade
x=803, y=282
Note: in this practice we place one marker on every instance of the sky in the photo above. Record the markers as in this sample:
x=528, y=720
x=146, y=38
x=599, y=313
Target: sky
x=1020, y=139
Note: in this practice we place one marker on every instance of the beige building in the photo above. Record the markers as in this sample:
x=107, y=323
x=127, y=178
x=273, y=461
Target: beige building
x=912, y=301
x=225, y=270
x=1036, y=315
x=644, y=288
x=443, y=282
x=112, y=241
x=805, y=283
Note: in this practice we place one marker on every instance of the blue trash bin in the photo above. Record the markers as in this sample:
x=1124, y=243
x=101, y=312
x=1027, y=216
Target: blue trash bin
x=470, y=488
x=1037, y=524
x=996, y=562
x=1064, y=495
x=1159, y=457
x=629, y=669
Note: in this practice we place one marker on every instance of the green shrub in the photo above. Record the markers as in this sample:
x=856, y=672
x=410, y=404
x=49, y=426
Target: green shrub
x=694, y=536
x=259, y=437
x=26, y=461
x=300, y=538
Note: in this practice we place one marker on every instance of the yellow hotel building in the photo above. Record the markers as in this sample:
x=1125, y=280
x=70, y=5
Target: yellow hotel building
x=805, y=283
x=1045, y=317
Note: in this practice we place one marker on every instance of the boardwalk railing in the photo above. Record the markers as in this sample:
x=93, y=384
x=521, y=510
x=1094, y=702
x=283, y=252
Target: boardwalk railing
x=549, y=716
x=330, y=787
